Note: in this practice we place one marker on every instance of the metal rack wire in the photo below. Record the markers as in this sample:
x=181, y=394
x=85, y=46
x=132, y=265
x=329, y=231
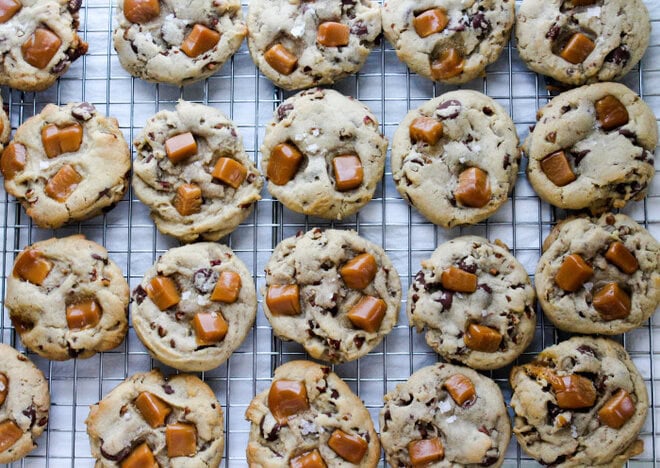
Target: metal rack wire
x=248, y=98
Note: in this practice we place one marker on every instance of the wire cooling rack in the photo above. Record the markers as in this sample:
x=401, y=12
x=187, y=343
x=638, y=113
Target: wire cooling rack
x=387, y=87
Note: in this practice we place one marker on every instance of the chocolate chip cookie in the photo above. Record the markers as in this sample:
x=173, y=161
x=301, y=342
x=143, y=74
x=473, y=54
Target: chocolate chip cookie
x=149, y=420
x=455, y=158
x=174, y=41
x=67, y=164
x=582, y=41
x=332, y=291
x=192, y=172
x=298, y=44
x=445, y=415
x=580, y=403
x=323, y=154
x=449, y=41
x=5, y=126
x=309, y=417
x=24, y=404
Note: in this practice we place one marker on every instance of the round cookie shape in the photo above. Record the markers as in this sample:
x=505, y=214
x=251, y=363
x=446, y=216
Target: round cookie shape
x=475, y=301
x=5, y=126
x=67, y=164
x=195, y=306
x=325, y=421
x=450, y=40
x=24, y=404
x=175, y=421
x=578, y=42
x=581, y=402
x=177, y=42
x=323, y=292
x=332, y=152
x=449, y=413
x=192, y=171
x=592, y=147
x=589, y=263
x=67, y=298
x=299, y=44
x=455, y=158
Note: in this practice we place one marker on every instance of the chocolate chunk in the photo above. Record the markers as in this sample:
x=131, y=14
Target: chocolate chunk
x=485, y=287
x=618, y=56
x=119, y=456
x=488, y=111
x=489, y=460
x=139, y=294
x=204, y=280
x=359, y=341
x=283, y=111
x=168, y=389
x=470, y=268
x=359, y=28
x=446, y=299
x=85, y=111
x=74, y=5
x=447, y=105
x=579, y=156
x=553, y=32
x=31, y=413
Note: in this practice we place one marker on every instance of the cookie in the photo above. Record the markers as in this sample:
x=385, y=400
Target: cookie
x=67, y=164
x=195, y=306
x=445, y=415
x=475, y=301
x=450, y=41
x=67, y=299
x=323, y=154
x=298, y=44
x=151, y=420
x=24, y=404
x=5, y=126
x=582, y=41
x=177, y=42
x=592, y=147
x=333, y=292
x=192, y=172
x=455, y=158
x=579, y=403
x=599, y=275
x=310, y=417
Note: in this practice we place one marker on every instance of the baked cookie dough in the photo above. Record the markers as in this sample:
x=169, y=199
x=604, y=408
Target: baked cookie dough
x=194, y=307
x=333, y=292
x=323, y=154
x=592, y=147
x=580, y=403
x=192, y=172
x=67, y=299
x=475, y=301
x=177, y=42
x=445, y=415
x=24, y=404
x=67, y=164
x=582, y=41
x=448, y=40
x=308, y=415
x=455, y=158
x=151, y=420
x=5, y=126
x=600, y=275
x=298, y=44
x=38, y=42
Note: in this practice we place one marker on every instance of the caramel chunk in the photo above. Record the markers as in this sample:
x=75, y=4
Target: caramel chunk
x=557, y=169
x=32, y=266
x=461, y=389
x=8, y=8
x=284, y=162
x=41, y=47
x=230, y=171
x=359, y=271
x=573, y=273
x=458, y=280
x=201, y=39
x=188, y=199
x=448, y=65
x=577, y=49
x=180, y=147
x=283, y=299
x=181, y=440
x=163, y=292
x=348, y=172
x=331, y=34
x=63, y=183
x=140, y=457
x=280, y=59
x=286, y=398
x=482, y=338
x=426, y=129
x=4, y=388
x=13, y=160
x=311, y=459
x=618, y=410
x=425, y=451
x=430, y=22
x=58, y=141
x=611, y=113
x=368, y=313
x=210, y=328
x=152, y=408
x=227, y=288
x=573, y=391
x=141, y=11
x=612, y=302
x=623, y=258
x=83, y=315
x=9, y=434
x=351, y=447
x=473, y=188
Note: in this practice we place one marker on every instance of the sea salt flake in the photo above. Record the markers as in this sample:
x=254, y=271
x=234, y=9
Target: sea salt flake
x=574, y=432
x=444, y=406
x=185, y=295
x=43, y=165
x=451, y=419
